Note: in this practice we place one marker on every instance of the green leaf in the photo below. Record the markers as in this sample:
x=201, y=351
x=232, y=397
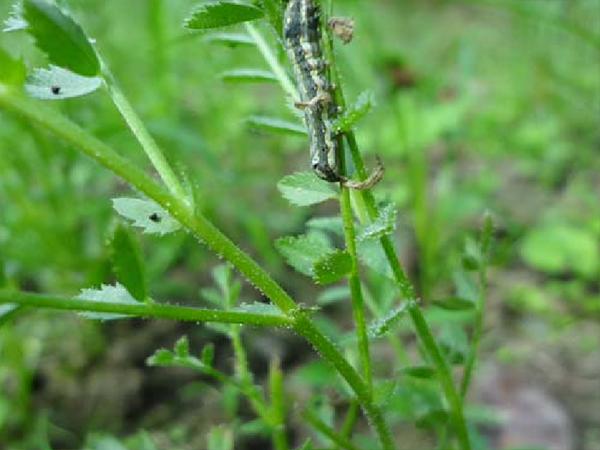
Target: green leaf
x=60, y=37
x=455, y=303
x=12, y=70
x=217, y=14
x=304, y=188
x=146, y=214
x=332, y=266
x=182, y=347
x=487, y=228
x=349, y=118
x=380, y=326
x=180, y=357
x=248, y=75
x=556, y=248
x=383, y=225
x=432, y=418
x=417, y=371
x=276, y=125
x=57, y=83
x=301, y=252
x=106, y=294
x=219, y=437
x=333, y=224
x=229, y=39
x=472, y=258
x=453, y=342
x=15, y=20
x=128, y=264
x=383, y=392
x=207, y=355
x=274, y=12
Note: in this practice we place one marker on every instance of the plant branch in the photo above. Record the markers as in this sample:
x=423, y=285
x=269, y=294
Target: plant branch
x=336, y=438
x=403, y=285
x=201, y=227
x=143, y=136
x=158, y=310
x=355, y=288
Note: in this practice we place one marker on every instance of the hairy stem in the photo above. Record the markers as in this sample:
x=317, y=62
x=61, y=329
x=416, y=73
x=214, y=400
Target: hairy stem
x=143, y=309
x=143, y=136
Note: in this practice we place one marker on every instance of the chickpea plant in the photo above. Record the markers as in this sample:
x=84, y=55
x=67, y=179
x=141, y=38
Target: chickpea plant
x=76, y=68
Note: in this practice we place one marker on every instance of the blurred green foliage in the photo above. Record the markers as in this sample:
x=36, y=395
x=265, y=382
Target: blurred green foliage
x=477, y=105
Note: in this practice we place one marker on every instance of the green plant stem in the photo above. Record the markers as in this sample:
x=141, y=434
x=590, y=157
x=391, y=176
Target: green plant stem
x=271, y=60
x=476, y=337
x=355, y=288
x=143, y=309
x=329, y=351
x=203, y=229
x=249, y=390
x=143, y=136
x=318, y=424
x=199, y=225
x=403, y=285
x=350, y=419
x=277, y=406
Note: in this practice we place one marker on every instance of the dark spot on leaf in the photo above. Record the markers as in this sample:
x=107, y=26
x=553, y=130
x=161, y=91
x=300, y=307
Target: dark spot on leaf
x=154, y=217
x=55, y=90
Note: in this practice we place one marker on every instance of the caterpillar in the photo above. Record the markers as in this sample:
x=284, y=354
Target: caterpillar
x=302, y=41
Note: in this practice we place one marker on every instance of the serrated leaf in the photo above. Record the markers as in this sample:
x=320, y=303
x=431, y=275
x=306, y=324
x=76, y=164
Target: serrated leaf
x=12, y=70
x=383, y=225
x=162, y=357
x=15, y=20
x=230, y=39
x=146, y=214
x=331, y=267
x=217, y=14
x=248, y=76
x=380, y=326
x=276, y=125
x=57, y=83
x=304, y=188
x=106, y=294
x=417, y=371
x=455, y=303
x=180, y=357
x=128, y=264
x=301, y=252
x=360, y=108
x=60, y=37
x=182, y=347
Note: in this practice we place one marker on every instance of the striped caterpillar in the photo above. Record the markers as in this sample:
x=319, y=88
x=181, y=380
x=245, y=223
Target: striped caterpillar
x=302, y=40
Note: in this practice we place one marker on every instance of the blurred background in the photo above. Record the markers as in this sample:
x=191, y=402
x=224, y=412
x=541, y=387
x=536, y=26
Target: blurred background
x=479, y=105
